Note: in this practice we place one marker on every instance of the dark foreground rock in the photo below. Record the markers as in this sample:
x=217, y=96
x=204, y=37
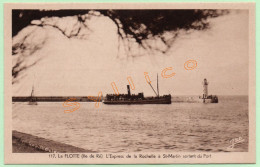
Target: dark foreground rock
x=26, y=143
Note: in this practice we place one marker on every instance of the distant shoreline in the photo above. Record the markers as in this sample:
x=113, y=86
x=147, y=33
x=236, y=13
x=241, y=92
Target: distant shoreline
x=51, y=98
x=175, y=98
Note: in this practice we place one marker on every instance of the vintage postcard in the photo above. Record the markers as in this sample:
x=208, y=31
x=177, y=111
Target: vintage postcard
x=129, y=83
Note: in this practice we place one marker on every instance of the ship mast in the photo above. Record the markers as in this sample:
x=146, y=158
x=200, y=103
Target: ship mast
x=157, y=86
x=32, y=91
x=153, y=88
x=157, y=94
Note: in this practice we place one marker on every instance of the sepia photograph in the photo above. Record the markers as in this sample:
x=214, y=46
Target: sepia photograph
x=129, y=83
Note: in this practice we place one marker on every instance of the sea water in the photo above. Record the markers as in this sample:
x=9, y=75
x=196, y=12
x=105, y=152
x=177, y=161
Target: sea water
x=185, y=127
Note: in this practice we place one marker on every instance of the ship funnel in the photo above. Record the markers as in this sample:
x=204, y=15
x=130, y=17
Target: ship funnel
x=128, y=90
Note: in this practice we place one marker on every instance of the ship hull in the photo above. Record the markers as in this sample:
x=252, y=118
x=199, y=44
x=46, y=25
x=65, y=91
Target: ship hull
x=136, y=102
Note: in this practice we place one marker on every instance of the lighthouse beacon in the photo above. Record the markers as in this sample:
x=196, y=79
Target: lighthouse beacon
x=205, y=88
x=206, y=98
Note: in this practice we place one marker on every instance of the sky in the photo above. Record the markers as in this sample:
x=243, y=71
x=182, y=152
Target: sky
x=84, y=67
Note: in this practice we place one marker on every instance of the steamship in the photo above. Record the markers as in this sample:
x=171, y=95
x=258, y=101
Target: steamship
x=122, y=99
